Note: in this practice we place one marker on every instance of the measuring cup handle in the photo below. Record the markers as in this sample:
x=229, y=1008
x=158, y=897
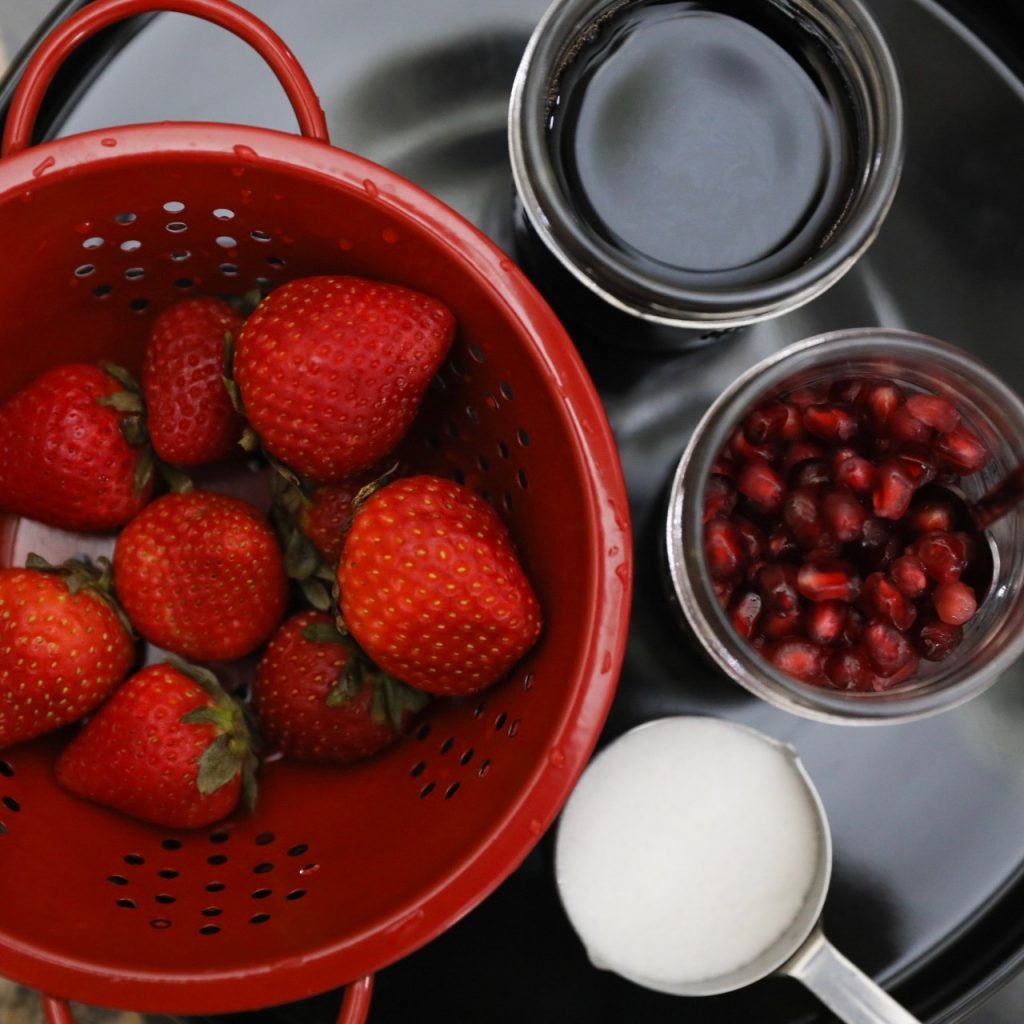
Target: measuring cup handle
x=354, y=1007
x=842, y=987
x=68, y=35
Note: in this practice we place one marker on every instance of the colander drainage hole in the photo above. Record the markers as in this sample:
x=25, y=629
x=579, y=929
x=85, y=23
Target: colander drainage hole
x=127, y=904
x=217, y=858
x=418, y=769
x=467, y=757
x=423, y=731
x=264, y=839
x=171, y=844
x=174, y=206
x=212, y=911
x=451, y=791
x=296, y=894
x=164, y=897
x=219, y=837
x=134, y=859
x=500, y=720
x=214, y=886
x=262, y=869
x=259, y=918
x=160, y=923
x=261, y=894
x=448, y=744
x=427, y=790
x=209, y=929
x=168, y=873
x=117, y=880
x=6, y=769
x=11, y=804
x=298, y=850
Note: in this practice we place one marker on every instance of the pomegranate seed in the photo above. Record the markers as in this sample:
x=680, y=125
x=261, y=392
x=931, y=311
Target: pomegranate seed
x=800, y=659
x=936, y=640
x=825, y=621
x=827, y=580
x=919, y=467
x=778, y=585
x=766, y=421
x=847, y=390
x=744, y=451
x=776, y=625
x=723, y=549
x=843, y=514
x=882, y=600
x=745, y=612
x=719, y=498
x=800, y=451
x=800, y=514
x=812, y=473
x=881, y=401
x=879, y=544
x=854, y=626
x=932, y=515
x=847, y=669
x=724, y=466
x=906, y=427
x=761, y=484
x=804, y=397
x=961, y=450
x=942, y=554
x=831, y=422
x=887, y=649
x=780, y=545
x=955, y=603
x=893, y=490
x=723, y=591
x=752, y=537
x=909, y=576
x=855, y=472
x=907, y=671
x=937, y=412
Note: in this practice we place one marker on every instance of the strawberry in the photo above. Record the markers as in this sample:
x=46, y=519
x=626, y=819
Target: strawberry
x=72, y=457
x=64, y=646
x=331, y=370
x=431, y=587
x=189, y=413
x=201, y=575
x=318, y=699
x=170, y=747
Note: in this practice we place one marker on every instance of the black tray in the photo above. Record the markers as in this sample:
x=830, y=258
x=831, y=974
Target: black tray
x=928, y=817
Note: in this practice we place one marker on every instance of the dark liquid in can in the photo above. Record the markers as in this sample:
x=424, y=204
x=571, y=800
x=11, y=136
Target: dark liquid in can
x=710, y=144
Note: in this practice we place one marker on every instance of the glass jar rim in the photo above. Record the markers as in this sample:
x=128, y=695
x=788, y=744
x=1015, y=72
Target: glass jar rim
x=875, y=88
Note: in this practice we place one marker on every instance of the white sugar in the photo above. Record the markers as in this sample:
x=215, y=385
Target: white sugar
x=686, y=850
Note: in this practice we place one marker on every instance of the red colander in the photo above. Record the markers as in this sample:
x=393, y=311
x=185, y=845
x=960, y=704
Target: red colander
x=339, y=871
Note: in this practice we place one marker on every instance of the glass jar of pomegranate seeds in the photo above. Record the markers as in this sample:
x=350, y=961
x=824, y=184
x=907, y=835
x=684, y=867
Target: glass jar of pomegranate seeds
x=842, y=535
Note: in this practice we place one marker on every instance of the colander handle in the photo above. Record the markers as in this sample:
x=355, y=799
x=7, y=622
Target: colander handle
x=57, y=46
x=354, y=1007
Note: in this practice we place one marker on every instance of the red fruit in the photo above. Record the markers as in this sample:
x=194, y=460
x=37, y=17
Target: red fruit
x=812, y=473
x=801, y=515
x=778, y=585
x=943, y=555
x=908, y=575
x=765, y=422
x=801, y=451
x=843, y=514
x=831, y=422
x=936, y=640
x=883, y=600
x=332, y=370
x=954, y=602
x=752, y=538
x=879, y=544
x=201, y=575
x=189, y=413
x=961, y=450
x=724, y=549
x=760, y=483
x=931, y=515
x=906, y=427
x=745, y=613
x=887, y=649
x=432, y=589
x=824, y=621
x=848, y=669
x=881, y=401
x=855, y=472
x=893, y=490
x=827, y=579
x=800, y=659
x=906, y=671
x=67, y=460
x=775, y=624
x=169, y=747
x=937, y=412
x=63, y=647
x=719, y=497
x=318, y=699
